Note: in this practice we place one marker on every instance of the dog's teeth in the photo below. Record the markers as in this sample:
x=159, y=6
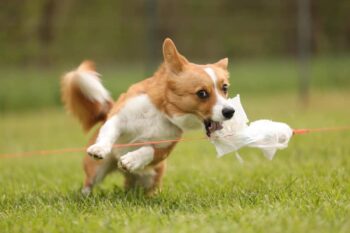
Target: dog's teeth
x=215, y=126
x=218, y=126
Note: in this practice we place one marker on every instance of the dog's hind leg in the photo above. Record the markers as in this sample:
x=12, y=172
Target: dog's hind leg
x=151, y=180
x=96, y=171
x=148, y=180
x=158, y=178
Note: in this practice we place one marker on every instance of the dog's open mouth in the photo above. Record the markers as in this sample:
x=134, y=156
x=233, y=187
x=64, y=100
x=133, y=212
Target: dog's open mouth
x=211, y=126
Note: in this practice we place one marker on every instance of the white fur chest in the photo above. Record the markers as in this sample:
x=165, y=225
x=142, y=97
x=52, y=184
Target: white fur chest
x=140, y=120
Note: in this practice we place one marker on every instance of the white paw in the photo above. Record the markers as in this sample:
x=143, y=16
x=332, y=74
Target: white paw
x=99, y=151
x=133, y=162
x=86, y=191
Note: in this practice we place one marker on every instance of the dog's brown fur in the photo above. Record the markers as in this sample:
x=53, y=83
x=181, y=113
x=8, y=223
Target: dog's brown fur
x=170, y=89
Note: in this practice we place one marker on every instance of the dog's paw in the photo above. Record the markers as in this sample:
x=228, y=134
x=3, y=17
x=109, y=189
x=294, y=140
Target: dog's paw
x=133, y=162
x=99, y=151
x=86, y=191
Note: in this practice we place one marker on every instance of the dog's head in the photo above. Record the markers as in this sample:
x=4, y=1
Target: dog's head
x=196, y=92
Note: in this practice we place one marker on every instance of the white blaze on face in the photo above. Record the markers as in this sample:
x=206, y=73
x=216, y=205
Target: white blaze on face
x=221, y=102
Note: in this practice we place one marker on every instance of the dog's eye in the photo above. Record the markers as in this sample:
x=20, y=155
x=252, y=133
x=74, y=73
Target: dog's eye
x=203, y=94
x=225, y=88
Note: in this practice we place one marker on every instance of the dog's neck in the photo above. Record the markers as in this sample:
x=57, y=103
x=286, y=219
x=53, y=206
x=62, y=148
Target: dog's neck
x=160, y=95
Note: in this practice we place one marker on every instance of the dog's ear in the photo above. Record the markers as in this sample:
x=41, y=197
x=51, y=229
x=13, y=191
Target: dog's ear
x=173, y=59
x=223, y=63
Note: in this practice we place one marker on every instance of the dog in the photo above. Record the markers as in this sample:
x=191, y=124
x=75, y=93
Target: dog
x=179, y=96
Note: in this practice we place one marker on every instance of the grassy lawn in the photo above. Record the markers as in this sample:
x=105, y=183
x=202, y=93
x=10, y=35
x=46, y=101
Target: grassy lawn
x=306, y=188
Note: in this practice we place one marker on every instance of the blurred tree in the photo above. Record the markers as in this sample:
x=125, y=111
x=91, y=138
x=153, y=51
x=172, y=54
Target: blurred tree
x=11, y=33
x=42, y=30
x=46, y=28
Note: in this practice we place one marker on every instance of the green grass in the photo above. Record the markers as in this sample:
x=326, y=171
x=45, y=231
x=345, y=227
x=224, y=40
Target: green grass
x=306, y=188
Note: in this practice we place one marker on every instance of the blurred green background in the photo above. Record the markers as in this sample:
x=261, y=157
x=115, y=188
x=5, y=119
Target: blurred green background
x=289, y=61
x=52, y=31
x=41, y=39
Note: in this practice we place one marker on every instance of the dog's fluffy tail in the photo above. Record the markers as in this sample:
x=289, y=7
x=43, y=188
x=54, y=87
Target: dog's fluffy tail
x=84, y=96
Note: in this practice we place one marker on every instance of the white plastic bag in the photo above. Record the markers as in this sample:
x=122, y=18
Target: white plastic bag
x=267, y=135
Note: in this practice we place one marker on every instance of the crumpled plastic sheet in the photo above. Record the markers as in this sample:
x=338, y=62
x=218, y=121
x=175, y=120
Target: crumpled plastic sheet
x=267, y=135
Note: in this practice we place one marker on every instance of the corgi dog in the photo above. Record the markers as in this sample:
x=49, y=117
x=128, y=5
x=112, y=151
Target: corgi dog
x=179, y=96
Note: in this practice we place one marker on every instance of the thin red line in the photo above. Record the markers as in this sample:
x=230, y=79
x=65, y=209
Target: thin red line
x=304, y=131
x=69, y=150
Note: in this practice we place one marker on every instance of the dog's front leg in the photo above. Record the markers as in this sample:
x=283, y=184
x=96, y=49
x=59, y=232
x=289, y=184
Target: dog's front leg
x=137, y=160
x=107, y=136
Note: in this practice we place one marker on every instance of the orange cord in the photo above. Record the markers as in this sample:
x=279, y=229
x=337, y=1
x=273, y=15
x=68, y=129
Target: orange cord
x=81, y=149
x=304, y=131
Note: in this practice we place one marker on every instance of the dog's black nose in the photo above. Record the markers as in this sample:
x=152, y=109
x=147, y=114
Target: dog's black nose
x=228, y=112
